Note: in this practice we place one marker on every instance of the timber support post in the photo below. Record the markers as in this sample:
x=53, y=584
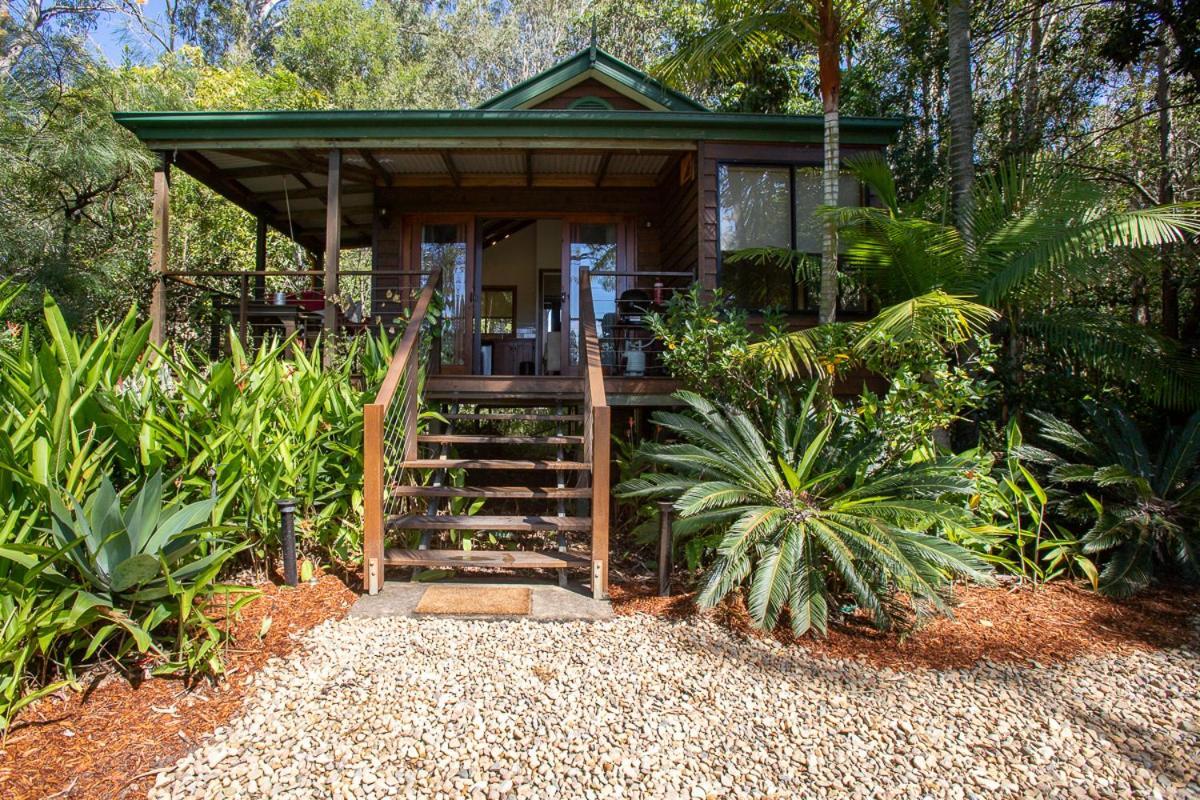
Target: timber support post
x=260, y=260
x=162, y=249
x=333, y=250
x=373, y=497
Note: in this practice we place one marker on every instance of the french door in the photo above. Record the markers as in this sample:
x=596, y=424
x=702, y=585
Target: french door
x=446, y=244
x=602, y=247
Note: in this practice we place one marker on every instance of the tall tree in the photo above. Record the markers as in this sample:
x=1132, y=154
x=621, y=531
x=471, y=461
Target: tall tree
x=726, y=50
x=962, y=112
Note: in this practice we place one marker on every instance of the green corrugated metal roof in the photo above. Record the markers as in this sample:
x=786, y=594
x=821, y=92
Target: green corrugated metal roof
x=217, y=129
x=593, y=60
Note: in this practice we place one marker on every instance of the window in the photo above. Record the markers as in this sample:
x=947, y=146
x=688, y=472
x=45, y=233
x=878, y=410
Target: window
x=499, y=310
x=591, y=103
x=772, y=206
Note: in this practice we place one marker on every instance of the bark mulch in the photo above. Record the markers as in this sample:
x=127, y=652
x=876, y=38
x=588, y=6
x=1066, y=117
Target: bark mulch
x=110, y=740
x=1051, y=624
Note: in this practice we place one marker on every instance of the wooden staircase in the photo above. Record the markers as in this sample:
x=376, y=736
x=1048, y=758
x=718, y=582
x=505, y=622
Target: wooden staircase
x=532, y=452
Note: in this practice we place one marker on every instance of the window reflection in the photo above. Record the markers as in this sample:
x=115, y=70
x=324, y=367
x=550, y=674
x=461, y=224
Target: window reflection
x=594, y=248
x=444, y=248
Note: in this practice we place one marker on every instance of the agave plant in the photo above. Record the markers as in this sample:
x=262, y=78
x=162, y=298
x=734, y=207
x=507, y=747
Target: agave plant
x=148, y=563
x=1145, y=500
x=802, y=522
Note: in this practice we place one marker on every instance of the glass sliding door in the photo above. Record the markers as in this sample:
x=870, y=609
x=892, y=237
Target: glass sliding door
x=597, y=248
x=444, y=247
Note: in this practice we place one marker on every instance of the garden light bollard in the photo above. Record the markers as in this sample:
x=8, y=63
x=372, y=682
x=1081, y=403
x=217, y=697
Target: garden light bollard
x=664, y=548
x=287, y=515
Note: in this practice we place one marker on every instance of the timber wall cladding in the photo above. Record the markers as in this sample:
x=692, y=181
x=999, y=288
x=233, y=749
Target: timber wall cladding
x=591, y=88
x=676, y=220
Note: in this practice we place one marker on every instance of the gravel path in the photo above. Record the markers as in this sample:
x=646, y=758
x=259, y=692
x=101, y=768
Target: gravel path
x=641, y=708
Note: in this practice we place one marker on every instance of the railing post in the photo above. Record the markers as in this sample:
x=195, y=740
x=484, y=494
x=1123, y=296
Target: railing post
x=373, y=497
x=244, y=309
x=601, y=448
x=411, y=405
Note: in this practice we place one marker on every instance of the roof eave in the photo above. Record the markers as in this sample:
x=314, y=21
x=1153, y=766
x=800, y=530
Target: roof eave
x=322, y=128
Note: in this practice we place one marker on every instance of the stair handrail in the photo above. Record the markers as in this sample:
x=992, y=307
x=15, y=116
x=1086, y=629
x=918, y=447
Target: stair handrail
x=597, y=429
x=398, y=399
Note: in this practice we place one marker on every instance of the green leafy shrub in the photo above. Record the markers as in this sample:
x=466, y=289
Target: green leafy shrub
x=1143, y=499
x=803, y=522
x=74, y=408
x=1016, y=530
x=705, y=346
x=80, y=413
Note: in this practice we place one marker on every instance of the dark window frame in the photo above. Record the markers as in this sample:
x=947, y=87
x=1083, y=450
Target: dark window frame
x=799, y=290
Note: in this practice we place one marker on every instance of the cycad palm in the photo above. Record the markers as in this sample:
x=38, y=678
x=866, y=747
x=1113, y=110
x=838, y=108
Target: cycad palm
x=801, y=522
x=1147, y=499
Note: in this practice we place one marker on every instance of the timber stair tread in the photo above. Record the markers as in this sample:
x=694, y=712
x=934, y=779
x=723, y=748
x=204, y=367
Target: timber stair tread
x=513, y=417
x=513, y=492
x=483, y=522
x=495, y=463
x=504, y=559
x=466, y=438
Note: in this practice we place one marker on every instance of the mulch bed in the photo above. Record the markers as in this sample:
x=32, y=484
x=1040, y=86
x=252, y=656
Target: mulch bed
x=110, y=740
x=1052, y=624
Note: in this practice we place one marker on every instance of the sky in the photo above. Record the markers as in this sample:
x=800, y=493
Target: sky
x=113, y=34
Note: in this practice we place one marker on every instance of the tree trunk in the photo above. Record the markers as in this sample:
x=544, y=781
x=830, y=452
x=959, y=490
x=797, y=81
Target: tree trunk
x=962, y=120
x=828, y=60
x=1031, y=122
x=1166, y=193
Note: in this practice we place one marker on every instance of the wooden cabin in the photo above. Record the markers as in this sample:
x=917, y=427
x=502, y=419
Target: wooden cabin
x=541, y=227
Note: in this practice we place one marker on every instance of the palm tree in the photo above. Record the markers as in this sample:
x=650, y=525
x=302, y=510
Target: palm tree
x=755, y=26
x=962, y=111
x=1145, y=500
x=804, y=521
x=1039, y=232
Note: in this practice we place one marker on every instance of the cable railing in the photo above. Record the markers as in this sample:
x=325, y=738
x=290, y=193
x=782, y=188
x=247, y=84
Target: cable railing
x=597, y=435
x=390, y=432
x=627, y=345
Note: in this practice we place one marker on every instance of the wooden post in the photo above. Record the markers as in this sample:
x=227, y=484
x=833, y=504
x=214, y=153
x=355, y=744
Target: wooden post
x=601, y=449
x=162, y=248
x=244, y=310
x=260, y=260
x=411, y=401
x=665, y=508
x=372, y=497
x=333, y=248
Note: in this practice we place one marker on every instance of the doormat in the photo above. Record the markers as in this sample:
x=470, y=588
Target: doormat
x=507, y=601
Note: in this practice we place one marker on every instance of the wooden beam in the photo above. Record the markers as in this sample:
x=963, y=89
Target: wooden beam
x=264, y=171
x=333, y=249
x=451, y=170
x=600, y=173
x=260, y=258
x=528, y=168
x=374, y=164
x=162, y=248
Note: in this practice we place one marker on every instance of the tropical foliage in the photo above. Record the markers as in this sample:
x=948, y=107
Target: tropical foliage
x=803, y=522
x=1143, y=497
x=205, y=448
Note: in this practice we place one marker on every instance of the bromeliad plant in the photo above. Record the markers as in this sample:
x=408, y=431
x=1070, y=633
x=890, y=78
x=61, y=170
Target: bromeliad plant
x=1144, y=499
x=147, y=566
x=803, y=522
